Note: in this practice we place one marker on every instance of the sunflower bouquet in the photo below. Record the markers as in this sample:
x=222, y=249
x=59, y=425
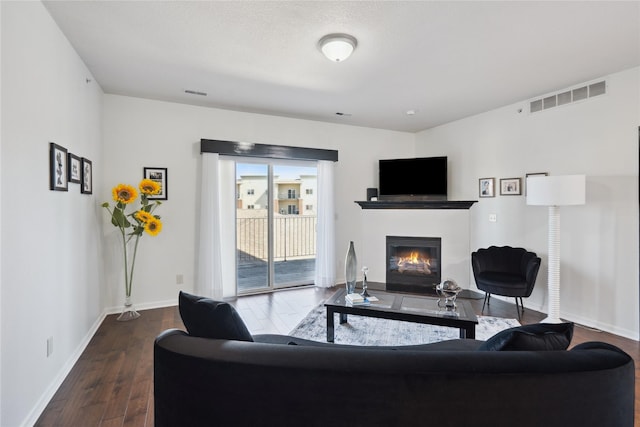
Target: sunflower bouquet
x=132, y=226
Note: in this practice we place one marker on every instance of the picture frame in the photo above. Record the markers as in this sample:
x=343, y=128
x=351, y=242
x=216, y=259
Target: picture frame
x=532, y=174
x=486, y=187
x=58, y=169
x=510, y=187
x=158, y=175
x=86, y=186
x=75, y=168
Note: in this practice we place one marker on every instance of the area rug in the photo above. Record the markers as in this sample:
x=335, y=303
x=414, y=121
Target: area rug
x=371, y=331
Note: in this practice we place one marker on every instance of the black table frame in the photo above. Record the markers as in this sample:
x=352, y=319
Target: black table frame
x=467, y=326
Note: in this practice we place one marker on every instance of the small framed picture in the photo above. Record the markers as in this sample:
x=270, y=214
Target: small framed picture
x=486, y=187
x=158, y=175
x=532, y=174
x=510, y=187
x=58, y=177
x=75, y=168
x=86, y=186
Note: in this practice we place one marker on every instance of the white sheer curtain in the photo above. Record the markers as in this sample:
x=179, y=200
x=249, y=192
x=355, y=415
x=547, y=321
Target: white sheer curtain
x=325, y=241
x=209, y=281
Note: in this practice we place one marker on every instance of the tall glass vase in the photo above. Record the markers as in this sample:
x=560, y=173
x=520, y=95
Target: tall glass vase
x=128, y=312
x=351, y=269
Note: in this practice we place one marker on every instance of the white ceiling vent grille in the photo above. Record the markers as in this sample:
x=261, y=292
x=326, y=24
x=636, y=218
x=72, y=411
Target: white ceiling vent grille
x=569, y=96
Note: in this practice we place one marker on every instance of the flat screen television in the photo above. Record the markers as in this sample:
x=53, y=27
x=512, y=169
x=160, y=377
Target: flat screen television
x=424, y=178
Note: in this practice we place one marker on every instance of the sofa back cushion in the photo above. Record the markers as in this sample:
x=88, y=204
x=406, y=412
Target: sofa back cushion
x=206, y=318
x=536, y=337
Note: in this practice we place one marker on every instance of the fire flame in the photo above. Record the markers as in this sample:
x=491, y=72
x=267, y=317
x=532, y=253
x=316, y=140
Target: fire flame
x=413, y=258
x=414, y=262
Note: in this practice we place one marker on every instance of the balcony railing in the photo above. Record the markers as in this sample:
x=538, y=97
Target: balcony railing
x=294, y=237
x=288, y=196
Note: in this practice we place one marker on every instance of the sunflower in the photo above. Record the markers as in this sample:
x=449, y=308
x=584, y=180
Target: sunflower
x=153, y=226
x=150, y=187
x=143, y=216
x=124, y=193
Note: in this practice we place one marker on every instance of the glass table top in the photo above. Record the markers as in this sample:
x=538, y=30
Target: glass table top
x=408, y=303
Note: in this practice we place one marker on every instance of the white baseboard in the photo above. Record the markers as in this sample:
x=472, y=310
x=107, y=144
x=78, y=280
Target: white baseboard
x=589, y=323
x=579, y=320
x=143, y=306
x=46, y=397
x=604, y=327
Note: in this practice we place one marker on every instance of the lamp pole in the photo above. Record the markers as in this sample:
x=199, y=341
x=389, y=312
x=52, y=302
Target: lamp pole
x=553, y=279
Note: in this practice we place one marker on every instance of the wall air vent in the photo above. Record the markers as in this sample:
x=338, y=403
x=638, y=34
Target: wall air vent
x=568, y=96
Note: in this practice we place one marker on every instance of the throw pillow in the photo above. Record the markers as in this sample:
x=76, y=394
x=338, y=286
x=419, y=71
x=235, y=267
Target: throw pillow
x=206, y=318
x=537, y=337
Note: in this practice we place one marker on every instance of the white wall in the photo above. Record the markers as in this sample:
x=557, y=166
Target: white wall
x=50, y=276
x=0, y=215
x=140, y=133
x=60, y=261
x=599, y=242
x=452, y=226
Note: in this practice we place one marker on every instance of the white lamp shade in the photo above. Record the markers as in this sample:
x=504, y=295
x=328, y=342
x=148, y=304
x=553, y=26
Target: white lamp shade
x=562, y=190
x=337, y=47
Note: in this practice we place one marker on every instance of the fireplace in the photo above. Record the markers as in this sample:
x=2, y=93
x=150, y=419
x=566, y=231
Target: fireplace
x=413, y=264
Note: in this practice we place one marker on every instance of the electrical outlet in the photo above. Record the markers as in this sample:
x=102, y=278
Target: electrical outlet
x=493, y=217
x=49, y=346
x=179, y=279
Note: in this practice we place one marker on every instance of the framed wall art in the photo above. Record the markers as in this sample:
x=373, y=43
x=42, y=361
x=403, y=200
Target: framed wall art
x=158, y=175
x=486, y=187
x=58, y=177
x=510, y=187
x=75, y=168
x=86, y=186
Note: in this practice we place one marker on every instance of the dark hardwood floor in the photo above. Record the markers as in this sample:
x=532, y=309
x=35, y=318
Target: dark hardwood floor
x=112, y=382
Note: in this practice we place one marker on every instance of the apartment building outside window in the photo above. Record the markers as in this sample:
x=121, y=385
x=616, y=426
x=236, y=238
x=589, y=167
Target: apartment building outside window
x=275, y=225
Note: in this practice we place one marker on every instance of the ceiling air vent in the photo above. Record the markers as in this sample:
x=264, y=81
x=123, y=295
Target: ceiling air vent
x=195, y=92
x=569, y=96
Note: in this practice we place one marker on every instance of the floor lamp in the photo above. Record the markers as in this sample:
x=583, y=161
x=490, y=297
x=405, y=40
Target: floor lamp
x=555, y=191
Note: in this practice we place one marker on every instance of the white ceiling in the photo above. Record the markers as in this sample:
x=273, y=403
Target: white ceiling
x=446, y=60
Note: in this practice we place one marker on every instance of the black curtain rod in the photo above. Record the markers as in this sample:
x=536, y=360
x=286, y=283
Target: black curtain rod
x=249, y=149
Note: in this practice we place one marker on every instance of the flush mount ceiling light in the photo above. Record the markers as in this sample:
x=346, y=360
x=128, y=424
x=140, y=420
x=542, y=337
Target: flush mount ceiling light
x=337, y=47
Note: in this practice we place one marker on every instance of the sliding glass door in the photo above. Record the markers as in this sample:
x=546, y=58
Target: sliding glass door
x=276, y=221
x=252, y=227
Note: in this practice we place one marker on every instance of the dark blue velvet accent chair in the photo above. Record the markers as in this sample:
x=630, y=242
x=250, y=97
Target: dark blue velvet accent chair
x=505, y=271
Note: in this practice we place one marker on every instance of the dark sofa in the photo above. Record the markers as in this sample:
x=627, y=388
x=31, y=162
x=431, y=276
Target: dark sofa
x=214, y=382
x=218, y=374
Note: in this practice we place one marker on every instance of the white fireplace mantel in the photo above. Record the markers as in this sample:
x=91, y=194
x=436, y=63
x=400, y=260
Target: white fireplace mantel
x=452, y=226
x=416, y=204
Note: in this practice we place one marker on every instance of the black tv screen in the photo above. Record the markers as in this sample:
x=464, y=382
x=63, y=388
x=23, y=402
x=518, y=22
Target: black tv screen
x=425, y=176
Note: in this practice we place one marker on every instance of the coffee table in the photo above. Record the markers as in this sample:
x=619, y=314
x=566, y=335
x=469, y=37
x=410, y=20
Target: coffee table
x=405, y=307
